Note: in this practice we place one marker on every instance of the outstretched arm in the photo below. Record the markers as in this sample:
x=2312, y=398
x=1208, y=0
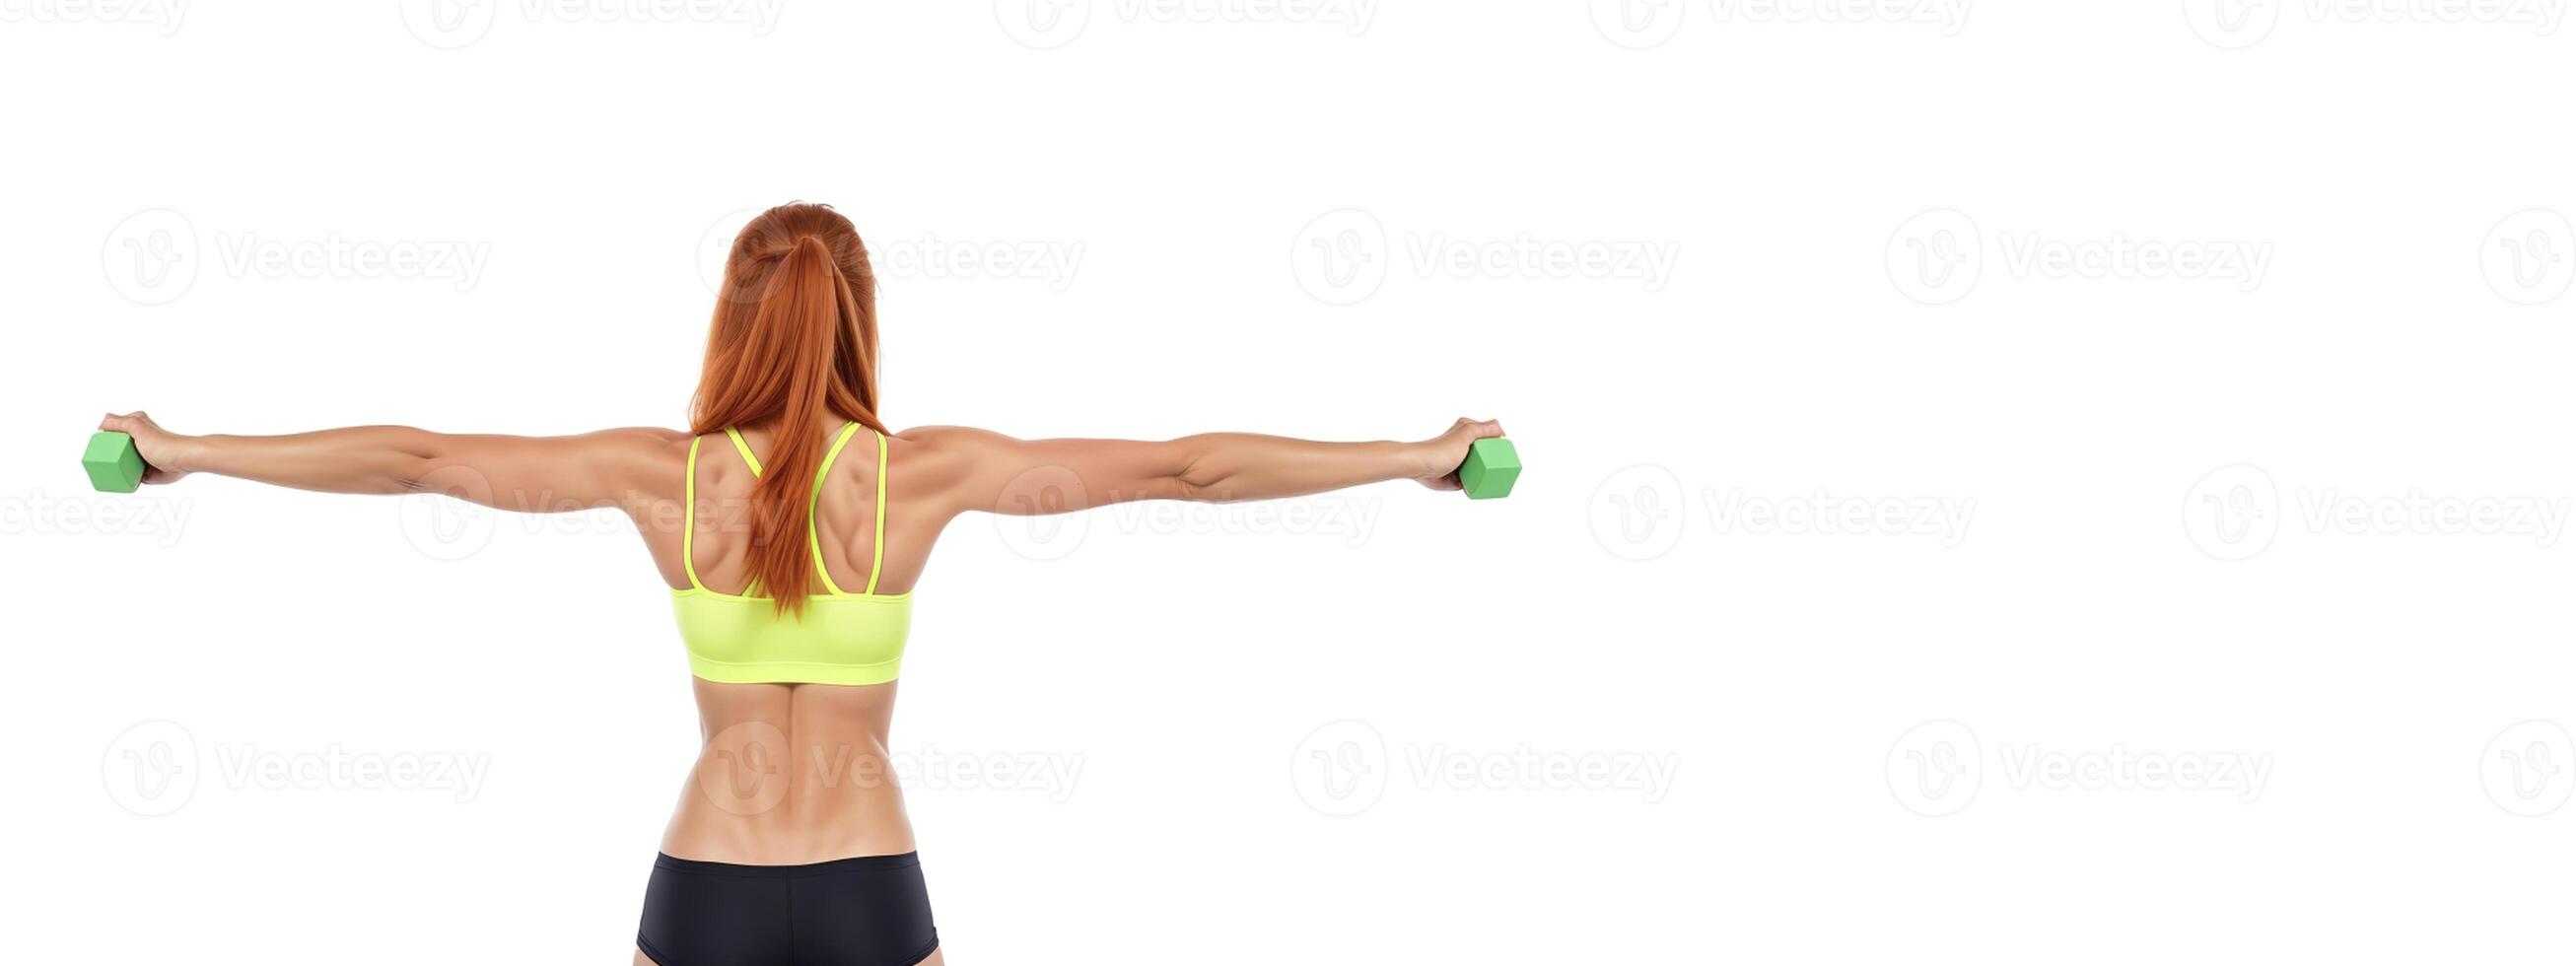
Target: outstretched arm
x=999, y=474
x=521, y=473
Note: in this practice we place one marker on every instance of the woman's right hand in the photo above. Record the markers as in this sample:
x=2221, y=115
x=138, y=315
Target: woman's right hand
x=159, y=447
x=1441, y=455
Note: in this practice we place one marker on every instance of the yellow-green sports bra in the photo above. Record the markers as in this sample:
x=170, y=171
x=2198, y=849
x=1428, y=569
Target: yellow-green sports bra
x=842, y=638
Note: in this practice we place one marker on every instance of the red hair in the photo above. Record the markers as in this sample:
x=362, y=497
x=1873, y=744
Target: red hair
x=794, y=343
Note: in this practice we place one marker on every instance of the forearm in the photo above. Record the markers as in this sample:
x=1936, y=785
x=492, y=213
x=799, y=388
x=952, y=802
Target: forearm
x=358, y=459
x=1225, y=467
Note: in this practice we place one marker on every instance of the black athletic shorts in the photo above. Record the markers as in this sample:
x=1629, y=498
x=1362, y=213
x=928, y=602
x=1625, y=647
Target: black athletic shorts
x=868, y=911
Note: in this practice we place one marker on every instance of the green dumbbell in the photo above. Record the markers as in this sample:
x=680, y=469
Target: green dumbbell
x=1491, y=467
x=113, y=464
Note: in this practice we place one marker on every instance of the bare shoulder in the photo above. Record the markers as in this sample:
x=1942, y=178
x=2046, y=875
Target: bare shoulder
x=649, y=443
x=648, y=458
x=935, y=463
x=937, y=450
x=965, y=439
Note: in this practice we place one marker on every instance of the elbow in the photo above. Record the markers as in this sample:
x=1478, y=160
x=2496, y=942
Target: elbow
x=418, y=473
x=1202, y=479
x=1203, y=487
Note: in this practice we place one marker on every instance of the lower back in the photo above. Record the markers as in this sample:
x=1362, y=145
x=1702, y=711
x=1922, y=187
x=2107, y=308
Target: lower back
x=790, y=774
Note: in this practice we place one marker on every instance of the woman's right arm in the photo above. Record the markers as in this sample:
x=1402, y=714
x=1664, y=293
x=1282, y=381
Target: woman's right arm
x=998, y=474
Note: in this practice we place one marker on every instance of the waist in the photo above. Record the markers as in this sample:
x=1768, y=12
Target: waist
x=791, y=774
x=852, y=864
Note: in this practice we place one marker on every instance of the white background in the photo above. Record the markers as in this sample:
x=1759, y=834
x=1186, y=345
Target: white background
x=2146, y=564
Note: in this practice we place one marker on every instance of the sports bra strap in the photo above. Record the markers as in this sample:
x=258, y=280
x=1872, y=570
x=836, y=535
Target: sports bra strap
x=877, y=565
x=744, y=448
x=813, y=527
x=813, y=509
x=689, y=519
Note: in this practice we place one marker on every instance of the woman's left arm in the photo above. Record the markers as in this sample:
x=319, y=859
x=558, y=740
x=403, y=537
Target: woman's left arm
x=527, y=474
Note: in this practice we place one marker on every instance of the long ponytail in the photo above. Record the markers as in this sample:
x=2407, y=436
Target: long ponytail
x=793, y=345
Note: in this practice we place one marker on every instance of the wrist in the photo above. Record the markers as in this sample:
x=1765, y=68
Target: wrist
x=184, y=454
x=1419, y=460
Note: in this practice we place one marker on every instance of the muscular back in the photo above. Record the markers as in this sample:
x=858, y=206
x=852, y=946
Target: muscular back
x=797, y=773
